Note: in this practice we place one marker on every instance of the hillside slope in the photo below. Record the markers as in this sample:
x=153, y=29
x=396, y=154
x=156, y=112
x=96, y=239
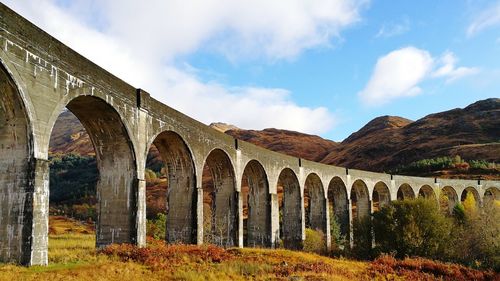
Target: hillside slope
x=386, y=142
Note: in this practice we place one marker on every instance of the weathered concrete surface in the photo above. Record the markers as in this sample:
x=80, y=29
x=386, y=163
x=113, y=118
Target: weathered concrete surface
x=292, y=206
x=256, y=198
x=39, y=77
x=181, y=195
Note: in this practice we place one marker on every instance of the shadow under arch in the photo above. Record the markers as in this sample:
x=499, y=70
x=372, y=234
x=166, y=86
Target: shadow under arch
x=220, y=202
x=256, y=206
x=315, y=203
x=381, y=195
x=490, y=195
x=338, y=205
x=360, y=200
x=405, y=192
x=116, y=163
x=181, y=187
x=426, y=192
x=471, y=190
x=290, y=209
x=17, y=171
x=448, y=198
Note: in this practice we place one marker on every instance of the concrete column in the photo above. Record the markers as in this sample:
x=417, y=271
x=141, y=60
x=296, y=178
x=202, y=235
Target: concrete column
x=328, y=234
x=351, y=235
x=40, y=216
x=303, y=216
x=275, y=220
x=141, y=213
x=199, y=216
x=240, y=218
x=370, y=204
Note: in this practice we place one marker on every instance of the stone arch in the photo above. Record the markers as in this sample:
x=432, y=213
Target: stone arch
x=315, y=203
x=256, y=206
x=405, y=191
x=474, y=193
x=426, y=191
x=448, y=198
x=338, y=204
x=181, y=187
x=220, y=207
x=290, y=209
x=490, y=195
x=116, y=164
x=17, y=172
x=381, y=195
x=360, y=200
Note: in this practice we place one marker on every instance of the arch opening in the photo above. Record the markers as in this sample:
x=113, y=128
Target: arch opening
x=405, y=192
x=381, y=196
x=338, y=207
x=471, y=191
x=360, y=200
x=290, y=209
x=448, y=199
x=426, y=192
x=314, y=204
x=491, y=195
x=171, y=187
x=256, y=206
x=117, y=173
x=220, y=202
x=361, y=210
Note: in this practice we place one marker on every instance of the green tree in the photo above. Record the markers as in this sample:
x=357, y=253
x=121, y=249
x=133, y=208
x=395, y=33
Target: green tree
x=411, y=228
x=156, y=228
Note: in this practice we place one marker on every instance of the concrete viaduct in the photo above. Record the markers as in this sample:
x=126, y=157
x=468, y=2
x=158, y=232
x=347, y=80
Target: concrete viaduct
x=40, y=77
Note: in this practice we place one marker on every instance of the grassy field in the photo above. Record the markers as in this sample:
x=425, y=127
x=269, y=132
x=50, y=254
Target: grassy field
x=72, y=257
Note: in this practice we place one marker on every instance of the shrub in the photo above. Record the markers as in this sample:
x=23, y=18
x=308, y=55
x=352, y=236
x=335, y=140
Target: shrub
x=362, y=238
x=338, y=241
x=477, y=241
x=459, y=213
x=156, y=228
x=315, y=241
x=411, y=228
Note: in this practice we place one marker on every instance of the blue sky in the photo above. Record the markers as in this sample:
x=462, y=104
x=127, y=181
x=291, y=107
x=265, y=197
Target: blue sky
x=325, y=67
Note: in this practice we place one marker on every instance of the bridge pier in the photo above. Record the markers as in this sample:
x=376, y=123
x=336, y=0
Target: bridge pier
x=141, y=213
x=199, y=213
x=239, y=215
x=275, y=220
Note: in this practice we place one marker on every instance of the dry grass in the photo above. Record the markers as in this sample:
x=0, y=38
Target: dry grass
x=73, y=257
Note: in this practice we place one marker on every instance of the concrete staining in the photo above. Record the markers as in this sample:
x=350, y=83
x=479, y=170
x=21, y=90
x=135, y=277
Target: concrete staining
x=39, y=77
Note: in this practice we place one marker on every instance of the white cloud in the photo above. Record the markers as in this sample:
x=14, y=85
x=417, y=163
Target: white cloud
x=393, y=29
x=141, y=43
x=449, y=71
x=235, y=28
x=486, y=19
x=399, y=73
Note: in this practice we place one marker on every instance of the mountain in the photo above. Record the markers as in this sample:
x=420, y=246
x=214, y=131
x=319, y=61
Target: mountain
x=297, y=144
x=69, y=136
x=383, y=144
x=388, y=141
x=223, y=127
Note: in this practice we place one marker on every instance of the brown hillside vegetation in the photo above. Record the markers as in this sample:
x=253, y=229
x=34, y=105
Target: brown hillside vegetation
x=297, y=144
x=386, y=142
x=72, y=256
x=69, y=135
